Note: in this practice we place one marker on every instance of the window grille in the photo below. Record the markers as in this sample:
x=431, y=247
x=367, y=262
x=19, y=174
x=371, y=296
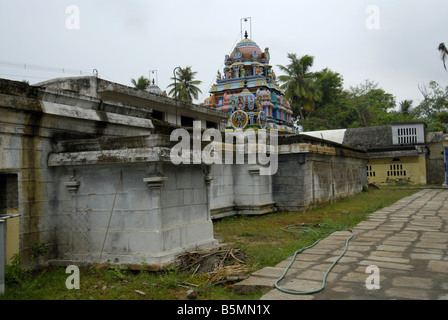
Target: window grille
x=396, y=170
x=370, y=172
x=407, y=135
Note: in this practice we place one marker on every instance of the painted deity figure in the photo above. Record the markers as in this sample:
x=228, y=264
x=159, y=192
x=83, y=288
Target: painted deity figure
x=210, y=102
x=243, y=72
x=237, y=54
x=226, y=100
x=266, y=54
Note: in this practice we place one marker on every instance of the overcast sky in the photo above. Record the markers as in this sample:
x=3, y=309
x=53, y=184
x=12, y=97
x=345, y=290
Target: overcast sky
x=393, y=43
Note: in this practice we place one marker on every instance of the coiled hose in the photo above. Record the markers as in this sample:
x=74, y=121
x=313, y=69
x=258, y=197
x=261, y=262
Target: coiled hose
x=306, y=228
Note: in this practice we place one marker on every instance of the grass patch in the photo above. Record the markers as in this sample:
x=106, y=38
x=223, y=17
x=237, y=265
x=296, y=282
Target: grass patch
x=263, y=238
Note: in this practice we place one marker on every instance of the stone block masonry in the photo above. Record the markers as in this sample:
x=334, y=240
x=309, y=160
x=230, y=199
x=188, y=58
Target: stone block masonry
x=151, y=221
x=94, y=180
x=309, y=174
x=310, y=171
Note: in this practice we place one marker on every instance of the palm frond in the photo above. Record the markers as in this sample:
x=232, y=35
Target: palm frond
x=443, y=53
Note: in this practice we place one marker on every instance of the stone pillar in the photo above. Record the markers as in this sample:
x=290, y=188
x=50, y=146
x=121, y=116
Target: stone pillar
x=155, y=182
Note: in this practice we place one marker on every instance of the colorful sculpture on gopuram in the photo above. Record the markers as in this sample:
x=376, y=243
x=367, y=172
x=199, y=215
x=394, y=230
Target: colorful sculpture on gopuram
x=248, y=90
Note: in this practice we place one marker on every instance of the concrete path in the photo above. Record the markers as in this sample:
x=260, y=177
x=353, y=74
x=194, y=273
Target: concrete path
x=406, y=243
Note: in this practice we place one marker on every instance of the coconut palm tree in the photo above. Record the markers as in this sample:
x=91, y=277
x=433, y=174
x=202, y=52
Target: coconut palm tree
x=405, y=106
x=443, y=53
x=300, y=85
x=141, y=83
x=184, y=86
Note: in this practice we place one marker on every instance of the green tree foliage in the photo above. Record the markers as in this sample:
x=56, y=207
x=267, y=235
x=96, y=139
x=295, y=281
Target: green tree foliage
x=300, y=85
x=184, y=87
x=141, y=83
x=372, y=104
x=320, y=102
x=363, y=105
x=405, y=107
x=332, y=110
x=433, y=109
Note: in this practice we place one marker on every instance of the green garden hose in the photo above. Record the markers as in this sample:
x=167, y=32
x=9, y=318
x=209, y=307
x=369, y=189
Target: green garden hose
x=305, y=228
x=326, y=273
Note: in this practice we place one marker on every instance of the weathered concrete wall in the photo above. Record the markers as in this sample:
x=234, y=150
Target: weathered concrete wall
x=23, y=151
x=307, y=179
x=150, y=222
x=110, y=91
x=307, y=174
x=31, y=124
x=71, y=152
x=253, y=192
x=316, y=171
x=240, y=189
x=222, y=193
x=435, y=158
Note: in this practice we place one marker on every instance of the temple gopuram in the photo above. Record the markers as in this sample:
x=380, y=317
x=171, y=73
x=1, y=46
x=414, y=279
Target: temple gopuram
x=154, y=89
x=248, y=90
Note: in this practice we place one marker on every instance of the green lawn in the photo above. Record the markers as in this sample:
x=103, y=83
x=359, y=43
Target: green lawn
x=263, y=238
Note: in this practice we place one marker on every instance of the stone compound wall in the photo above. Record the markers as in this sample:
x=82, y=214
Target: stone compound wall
x=240, y=189
x=316, y=179
x=310, y=171
x=138, y=214
x=70, y=152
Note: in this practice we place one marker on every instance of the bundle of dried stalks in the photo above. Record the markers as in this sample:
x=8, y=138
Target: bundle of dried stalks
x=218, y=264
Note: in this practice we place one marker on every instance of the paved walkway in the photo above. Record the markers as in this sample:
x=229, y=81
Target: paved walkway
x=407, y=242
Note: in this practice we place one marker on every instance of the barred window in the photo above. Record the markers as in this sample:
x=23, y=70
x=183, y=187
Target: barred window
x=407, y=135
x=396, y=170
x=370, y=172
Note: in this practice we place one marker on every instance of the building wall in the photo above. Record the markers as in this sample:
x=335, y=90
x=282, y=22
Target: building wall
x=406, y=170
x=408, y=133
x=304, y=180
x=136, y=222
x=90, y=86
x=240, y=189
x=77, y=157
x=9, y=205
x=12, y=239
x=436, y=172
x=222, y=194
x=31, y=124
x=23, y=152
